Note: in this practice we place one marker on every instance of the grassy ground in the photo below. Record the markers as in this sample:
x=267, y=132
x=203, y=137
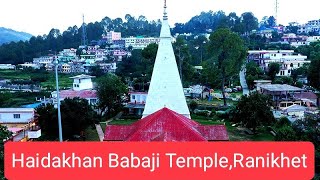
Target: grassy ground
x=103, y=126
x=14, y=74
x=18, y=99
x=64, y=79
x=123, y=122
x=215, y=101
x=91, y=134
x=235, y=133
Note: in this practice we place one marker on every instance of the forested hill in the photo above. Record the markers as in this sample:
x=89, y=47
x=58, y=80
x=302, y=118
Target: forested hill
x=8, y=35
x=55, y=40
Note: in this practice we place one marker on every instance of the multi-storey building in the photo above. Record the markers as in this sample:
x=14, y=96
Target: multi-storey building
x=140, y=42
x=112, y=36
x=286, y=58
x=43, y=60
x=311, y=27
x=108, y=67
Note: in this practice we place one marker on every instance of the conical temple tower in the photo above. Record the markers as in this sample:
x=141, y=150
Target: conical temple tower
x=166, y=88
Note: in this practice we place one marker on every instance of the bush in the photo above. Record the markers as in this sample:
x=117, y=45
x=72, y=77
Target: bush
x=205, y=113
x=37, y=78
x=283, y=121
x=286, y=133
x=193, y=106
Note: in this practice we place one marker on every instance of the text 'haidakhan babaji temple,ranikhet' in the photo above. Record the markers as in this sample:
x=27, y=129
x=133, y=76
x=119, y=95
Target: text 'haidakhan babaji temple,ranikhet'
x=166, y=116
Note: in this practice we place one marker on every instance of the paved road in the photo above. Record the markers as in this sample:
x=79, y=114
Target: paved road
x=100, y=132
x=243, y=81
x=20, y=136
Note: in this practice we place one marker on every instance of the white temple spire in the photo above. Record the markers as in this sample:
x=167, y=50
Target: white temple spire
x=165, y=14
x=166, y=88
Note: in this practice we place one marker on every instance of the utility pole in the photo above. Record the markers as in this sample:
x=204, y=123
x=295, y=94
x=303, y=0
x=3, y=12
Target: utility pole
x=58, y=98
x=276, y=11
x=84, y=33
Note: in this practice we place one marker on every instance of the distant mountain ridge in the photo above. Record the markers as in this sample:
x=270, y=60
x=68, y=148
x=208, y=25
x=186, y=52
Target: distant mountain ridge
x=8, y=35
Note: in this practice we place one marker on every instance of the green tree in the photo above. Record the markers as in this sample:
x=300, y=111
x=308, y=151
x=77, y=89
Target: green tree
x=286, y=133
x=96, y=71
x=253, y=72
x=4, y=134
x=254, y=110
x=149, y=55
x=228, y=53
x=193, y=106
x=314, y=73
x=301, y=71
x=284, y=80
x=249, y=21
x=183, y=59
x=273, y=70
x=76, y=116
x=283, y=121
x=110, y=91
x=48, y=121
x=271, y=21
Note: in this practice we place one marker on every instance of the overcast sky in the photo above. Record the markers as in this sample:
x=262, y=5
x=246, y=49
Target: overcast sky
x=39, y=16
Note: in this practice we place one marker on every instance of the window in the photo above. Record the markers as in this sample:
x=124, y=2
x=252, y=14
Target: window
x=16, y=116
x=283, y=105
x=93, y=101
x=133, y=97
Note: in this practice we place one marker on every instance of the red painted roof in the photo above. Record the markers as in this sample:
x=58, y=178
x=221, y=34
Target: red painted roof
x=166, y=125
x=85, y=94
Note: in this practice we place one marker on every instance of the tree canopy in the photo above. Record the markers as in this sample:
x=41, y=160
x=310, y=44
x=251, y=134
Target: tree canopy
x=111, y=91
x=273, y=70
x=228, y=52
x=253, y=72
x=76, y=115
x=254, y=110
x=4, y=134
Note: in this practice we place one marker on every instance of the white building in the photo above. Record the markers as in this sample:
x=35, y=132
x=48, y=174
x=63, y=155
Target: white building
x=7, y=66
x=137, y=102
x=29, y=65
x=313, y=39
x=286, y=58
x=16, y=115
x=311, y=26
x=68, y=52
x=82, y=88
x=82, y=82
x=140, y=42
x=43, y=60
x=299, y=43
x=66, y=68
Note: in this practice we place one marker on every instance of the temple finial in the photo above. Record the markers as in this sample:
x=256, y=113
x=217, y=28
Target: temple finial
x=165, y=17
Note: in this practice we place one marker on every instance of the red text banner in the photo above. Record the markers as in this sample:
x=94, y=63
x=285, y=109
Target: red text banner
x=158, y=161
